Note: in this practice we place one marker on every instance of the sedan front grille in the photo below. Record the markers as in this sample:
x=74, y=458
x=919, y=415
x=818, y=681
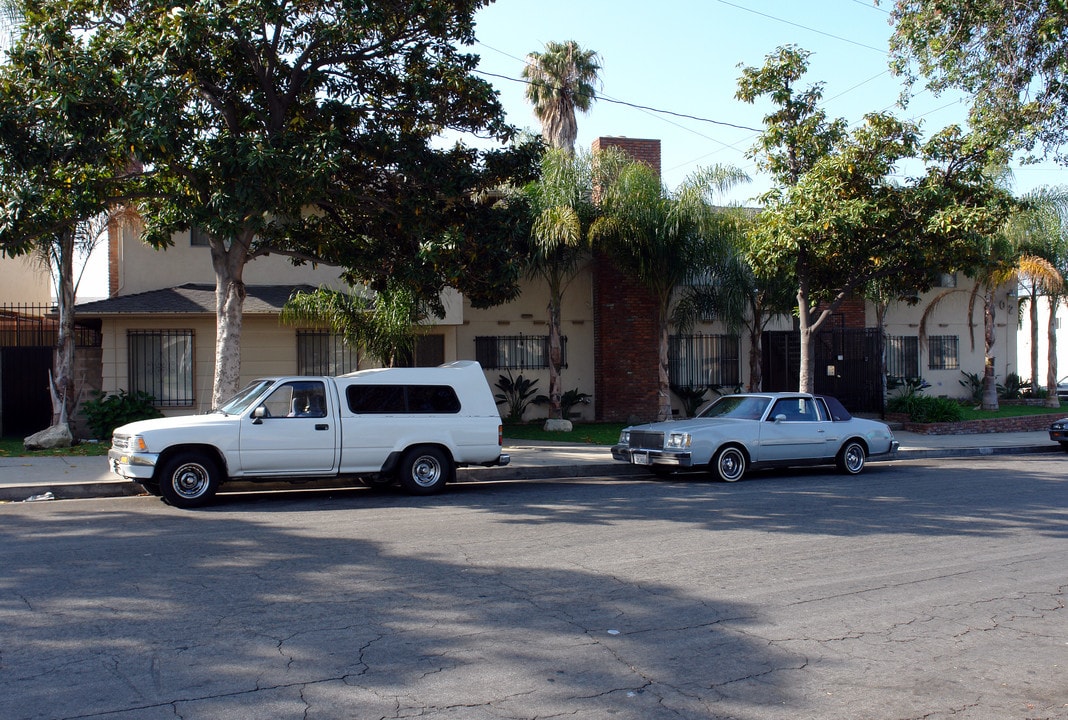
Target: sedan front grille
x=646, y=440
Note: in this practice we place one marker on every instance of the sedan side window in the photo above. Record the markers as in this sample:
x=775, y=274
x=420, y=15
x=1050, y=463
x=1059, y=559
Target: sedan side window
x=795, y=410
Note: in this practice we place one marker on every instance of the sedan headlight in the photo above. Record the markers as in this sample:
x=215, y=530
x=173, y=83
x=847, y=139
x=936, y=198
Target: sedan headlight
x=624, y=437
x=677, y=441
x=1059, y=425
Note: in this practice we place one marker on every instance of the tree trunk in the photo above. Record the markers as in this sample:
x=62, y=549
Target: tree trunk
x=1032, y=312
x=756, y=379
x=555, y=356
x=63, y=392
x=229, y=264
x=990, y=388
x=1051, y=354
x=663, y=392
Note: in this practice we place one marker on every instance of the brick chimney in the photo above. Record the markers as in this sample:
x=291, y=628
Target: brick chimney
x=626, y=361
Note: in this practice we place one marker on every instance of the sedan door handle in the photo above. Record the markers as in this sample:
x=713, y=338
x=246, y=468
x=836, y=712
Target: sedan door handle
x=322, y=426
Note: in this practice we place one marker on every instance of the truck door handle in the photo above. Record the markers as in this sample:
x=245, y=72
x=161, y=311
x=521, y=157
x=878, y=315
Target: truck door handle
x=322, y=426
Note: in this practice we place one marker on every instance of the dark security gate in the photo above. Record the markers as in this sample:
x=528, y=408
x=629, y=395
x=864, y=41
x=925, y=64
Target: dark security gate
x=27, y=338
x=848, y=366
x=25, y=402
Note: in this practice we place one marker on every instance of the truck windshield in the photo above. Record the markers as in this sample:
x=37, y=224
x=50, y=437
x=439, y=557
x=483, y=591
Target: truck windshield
x=243, y=400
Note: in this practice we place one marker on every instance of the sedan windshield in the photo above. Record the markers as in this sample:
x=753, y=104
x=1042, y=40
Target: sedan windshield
x=739, y=407
x=243, y=400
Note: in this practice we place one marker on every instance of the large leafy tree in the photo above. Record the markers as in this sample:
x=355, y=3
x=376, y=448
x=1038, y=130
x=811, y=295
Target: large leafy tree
x=305, y=129
x=560, y=81
x=837, y=222
x=672, y=242
x=63, y=164
x=1010, y=57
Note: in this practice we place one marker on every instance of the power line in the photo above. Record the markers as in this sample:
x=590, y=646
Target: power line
x=803, y=27
x=606, y=98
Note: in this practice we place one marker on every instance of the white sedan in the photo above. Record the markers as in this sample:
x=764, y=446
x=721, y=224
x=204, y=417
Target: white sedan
x=739, y=432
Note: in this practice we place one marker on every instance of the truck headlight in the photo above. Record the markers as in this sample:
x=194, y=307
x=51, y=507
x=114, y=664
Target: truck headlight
x=678, y=441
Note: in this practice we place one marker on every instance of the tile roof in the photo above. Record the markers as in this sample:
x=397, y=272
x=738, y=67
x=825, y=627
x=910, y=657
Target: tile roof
x=190, y=299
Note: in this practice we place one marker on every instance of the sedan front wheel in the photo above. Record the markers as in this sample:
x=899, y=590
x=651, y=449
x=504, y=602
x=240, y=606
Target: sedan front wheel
x=729, y=464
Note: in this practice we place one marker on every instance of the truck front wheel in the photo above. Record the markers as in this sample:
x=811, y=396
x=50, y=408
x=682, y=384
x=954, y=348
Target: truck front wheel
x=425, y=470
x=189, y=479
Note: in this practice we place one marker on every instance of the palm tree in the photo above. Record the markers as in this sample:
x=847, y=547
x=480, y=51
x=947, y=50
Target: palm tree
x=673, y=243
x=10, y=22
x=1042, y=229
x=742, y=299
x=562, y=210
x=560, y=81
x=1004, y=265
x=383, y=325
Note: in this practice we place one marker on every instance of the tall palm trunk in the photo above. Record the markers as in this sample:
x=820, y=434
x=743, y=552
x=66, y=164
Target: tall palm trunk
x=990, y=388
x=1051, y=362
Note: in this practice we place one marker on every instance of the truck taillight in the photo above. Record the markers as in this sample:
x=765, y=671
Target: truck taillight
x=500, y=435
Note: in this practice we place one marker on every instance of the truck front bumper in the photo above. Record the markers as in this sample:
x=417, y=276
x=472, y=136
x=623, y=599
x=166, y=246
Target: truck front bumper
x=132, y=466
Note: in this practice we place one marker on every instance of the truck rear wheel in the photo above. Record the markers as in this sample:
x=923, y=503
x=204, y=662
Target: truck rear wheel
x=189, y=479
x=425, y=470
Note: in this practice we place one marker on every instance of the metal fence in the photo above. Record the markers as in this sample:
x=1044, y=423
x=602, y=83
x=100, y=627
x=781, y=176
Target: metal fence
x=36, y=325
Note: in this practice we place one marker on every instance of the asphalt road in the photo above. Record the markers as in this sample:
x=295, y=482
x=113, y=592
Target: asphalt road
x=923, y=589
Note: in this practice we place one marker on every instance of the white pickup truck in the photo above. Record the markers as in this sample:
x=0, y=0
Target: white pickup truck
x=412, y=426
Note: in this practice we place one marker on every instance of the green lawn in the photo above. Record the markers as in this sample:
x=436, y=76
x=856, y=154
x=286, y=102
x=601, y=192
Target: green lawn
x=1005, y=411
x=592, y=433
x=13, y=447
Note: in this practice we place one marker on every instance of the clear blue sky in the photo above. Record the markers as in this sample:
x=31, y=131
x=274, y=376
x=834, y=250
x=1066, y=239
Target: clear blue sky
x=684, y=56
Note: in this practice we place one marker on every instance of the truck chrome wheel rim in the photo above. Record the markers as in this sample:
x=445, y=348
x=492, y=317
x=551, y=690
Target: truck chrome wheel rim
x=190, y=480
x=426, y=471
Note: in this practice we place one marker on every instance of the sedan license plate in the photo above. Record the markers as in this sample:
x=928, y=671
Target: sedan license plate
x=639, y=458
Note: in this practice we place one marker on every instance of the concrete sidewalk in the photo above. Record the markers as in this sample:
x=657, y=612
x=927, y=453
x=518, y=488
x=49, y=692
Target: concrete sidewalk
x=25, y=478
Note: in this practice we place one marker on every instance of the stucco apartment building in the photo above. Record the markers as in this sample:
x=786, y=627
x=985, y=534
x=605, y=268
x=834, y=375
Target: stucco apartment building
x=158, y=333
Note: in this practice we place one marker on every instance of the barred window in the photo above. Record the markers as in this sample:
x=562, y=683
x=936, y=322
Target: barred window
x=942, y=352
x=161, y=364
x=320, y=352
x=516, y=352
x=700, y=361
x=903, y=356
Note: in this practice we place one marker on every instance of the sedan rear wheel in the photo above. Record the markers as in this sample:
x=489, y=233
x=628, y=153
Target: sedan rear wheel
x=851, y=457
x=729, y=464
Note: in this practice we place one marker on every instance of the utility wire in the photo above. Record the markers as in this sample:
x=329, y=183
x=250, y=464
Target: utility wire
x=803, y=27
x=606, y=98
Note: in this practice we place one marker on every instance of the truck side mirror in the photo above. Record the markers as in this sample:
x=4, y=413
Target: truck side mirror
x=258, y=414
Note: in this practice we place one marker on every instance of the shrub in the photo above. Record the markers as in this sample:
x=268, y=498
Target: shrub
x=924, y=409
x=106, y=412
x=518, y=393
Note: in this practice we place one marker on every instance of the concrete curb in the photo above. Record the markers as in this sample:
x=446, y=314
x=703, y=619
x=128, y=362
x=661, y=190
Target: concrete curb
x=124, y=488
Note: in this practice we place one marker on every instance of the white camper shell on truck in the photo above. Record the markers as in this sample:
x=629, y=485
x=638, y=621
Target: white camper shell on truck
x=412, y=426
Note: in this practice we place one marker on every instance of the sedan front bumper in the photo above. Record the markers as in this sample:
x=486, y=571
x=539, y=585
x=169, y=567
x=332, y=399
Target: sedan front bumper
x=640, y=456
